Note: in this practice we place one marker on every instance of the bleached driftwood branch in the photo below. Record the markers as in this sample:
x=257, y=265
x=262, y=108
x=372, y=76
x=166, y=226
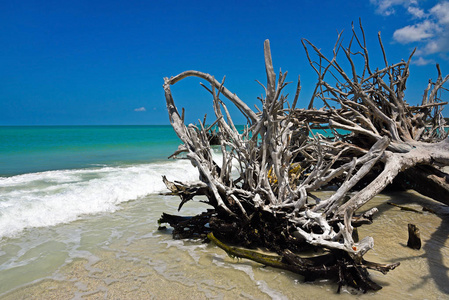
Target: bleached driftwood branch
x=262, y=190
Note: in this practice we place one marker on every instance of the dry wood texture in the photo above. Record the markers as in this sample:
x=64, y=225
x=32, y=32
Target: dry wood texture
x=262, y=190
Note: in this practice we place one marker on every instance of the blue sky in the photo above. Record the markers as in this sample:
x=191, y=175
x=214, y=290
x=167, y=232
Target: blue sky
x=103, y=62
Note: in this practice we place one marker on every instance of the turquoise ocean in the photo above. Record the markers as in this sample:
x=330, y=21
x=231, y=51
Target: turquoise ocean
x=78, y=220
x=30, y=149
x=65, y=171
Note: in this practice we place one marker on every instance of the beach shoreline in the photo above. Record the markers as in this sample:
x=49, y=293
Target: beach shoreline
x=122, y=255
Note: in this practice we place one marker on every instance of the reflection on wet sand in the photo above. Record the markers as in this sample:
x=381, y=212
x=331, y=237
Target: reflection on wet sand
x=121, y=255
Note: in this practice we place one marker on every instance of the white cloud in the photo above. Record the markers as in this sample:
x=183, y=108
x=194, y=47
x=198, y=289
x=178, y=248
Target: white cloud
x=430, y=34
x=140, y=109
x=415, y=33
x=441, y=12
x=416, y=12
x=387, y=7
x=422, y=61
x=440, y=17
x=438, y=45
x=433, y=47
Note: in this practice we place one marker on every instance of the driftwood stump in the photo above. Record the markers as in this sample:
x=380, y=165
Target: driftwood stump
x=414, y=239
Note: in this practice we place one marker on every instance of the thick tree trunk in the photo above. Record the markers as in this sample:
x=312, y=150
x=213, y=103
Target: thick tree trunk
x=395, y=163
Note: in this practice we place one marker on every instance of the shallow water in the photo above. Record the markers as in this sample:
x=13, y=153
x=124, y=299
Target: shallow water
x=122, y=255
x=78, y=220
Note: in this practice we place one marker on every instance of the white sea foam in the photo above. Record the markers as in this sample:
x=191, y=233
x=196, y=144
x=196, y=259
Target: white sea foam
x=54, y=197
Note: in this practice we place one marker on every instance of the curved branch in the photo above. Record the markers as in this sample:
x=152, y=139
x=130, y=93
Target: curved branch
x=249, y=113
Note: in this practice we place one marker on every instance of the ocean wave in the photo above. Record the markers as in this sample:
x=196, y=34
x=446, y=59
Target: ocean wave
x=55, y=197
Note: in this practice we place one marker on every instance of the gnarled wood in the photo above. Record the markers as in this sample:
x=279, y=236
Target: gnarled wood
x=262, y=190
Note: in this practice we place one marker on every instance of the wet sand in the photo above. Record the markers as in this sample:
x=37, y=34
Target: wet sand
x=121, y=255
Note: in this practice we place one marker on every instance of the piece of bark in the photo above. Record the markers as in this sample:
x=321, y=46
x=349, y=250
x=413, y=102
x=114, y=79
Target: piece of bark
x=414, y=240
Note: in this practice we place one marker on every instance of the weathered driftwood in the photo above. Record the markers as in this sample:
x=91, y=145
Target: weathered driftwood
x=414, y=237
x=262, y=190
x=329, y=265
x=428, y=181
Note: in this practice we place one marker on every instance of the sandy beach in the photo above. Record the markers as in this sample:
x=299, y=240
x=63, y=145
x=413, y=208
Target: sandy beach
x=123, y=256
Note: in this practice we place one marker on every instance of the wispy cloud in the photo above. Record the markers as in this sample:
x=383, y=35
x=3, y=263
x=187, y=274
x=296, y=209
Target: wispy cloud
x=140, y=109
x=430, y=31
x=387, y=7
x=441, y=12
x=420, y=61
x=416, y=12
x=415, y=33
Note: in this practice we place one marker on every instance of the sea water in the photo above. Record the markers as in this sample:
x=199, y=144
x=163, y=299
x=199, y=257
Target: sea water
x=52, y=175
x=78, y=220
